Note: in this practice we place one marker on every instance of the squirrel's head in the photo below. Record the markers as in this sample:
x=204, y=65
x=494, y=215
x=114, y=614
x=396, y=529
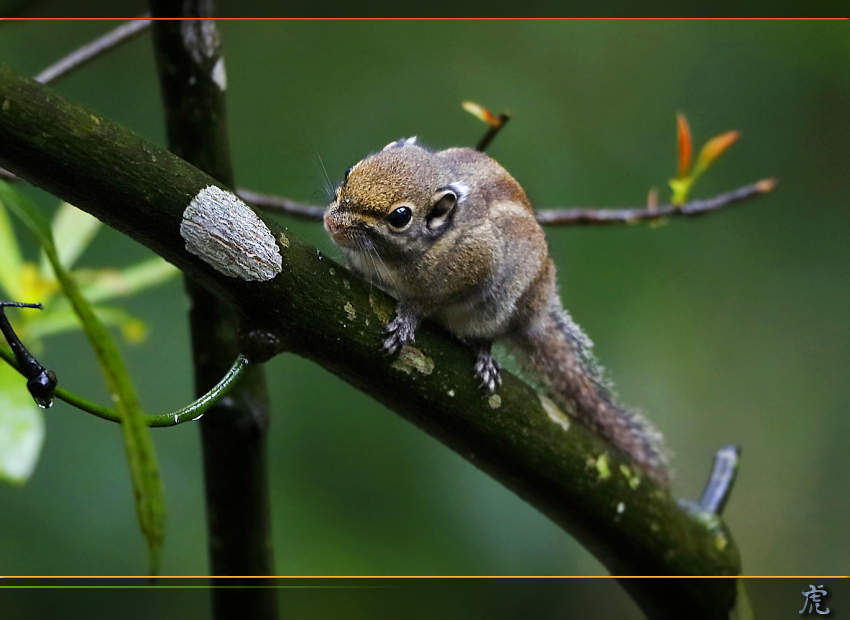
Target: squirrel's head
x=395, y=203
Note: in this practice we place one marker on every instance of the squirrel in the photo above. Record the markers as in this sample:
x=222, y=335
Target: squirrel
x=453, y=237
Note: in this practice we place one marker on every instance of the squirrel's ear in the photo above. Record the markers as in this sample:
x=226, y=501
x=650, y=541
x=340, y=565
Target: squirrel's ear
x=441, y=213
x=400, y=142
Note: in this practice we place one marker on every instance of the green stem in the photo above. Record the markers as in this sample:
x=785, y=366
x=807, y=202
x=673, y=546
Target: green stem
x=188, y=413
x=141, y=456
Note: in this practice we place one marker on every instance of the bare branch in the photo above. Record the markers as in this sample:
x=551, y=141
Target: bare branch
x=590, y=216
x=554, y=217
x=283, y=205
x=90, y=51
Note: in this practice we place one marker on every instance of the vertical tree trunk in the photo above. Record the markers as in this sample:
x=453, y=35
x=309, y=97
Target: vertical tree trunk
x=234, y=432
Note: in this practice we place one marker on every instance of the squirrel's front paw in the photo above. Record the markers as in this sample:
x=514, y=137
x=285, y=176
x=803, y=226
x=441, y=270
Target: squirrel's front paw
x=401, y=332
x=488, y=370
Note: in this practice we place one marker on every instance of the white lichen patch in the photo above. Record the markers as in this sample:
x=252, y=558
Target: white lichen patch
x=410, y=359
x=284, y=240
x=226, y=234
x=621, y=507
x=349, y=310
x=451, y=393
x=219, y=75
x=200, y=38
x=495, y=401
x=555, y=414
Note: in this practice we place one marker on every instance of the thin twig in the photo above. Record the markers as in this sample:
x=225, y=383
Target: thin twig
x=586, y=217
x=492, y=132
x=558, y=217
x=281, y=204
x=90, y=51
x=189, y=413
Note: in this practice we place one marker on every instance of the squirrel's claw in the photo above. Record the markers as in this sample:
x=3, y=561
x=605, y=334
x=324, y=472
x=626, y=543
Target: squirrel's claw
x=402, y=332
x=488, y=370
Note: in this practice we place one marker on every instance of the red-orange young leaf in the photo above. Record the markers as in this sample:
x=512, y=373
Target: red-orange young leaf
x=481, y=113
x=714, y=148
x=685, y=146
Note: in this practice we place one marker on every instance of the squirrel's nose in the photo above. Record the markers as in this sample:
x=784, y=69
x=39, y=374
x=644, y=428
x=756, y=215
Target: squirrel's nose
x=335, y=225
x=331, y=220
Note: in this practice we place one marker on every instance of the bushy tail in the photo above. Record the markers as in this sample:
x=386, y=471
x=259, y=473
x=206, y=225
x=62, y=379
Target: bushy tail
x=558, y=349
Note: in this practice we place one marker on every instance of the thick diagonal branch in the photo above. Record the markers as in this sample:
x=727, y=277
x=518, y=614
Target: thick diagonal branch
x=316, y=309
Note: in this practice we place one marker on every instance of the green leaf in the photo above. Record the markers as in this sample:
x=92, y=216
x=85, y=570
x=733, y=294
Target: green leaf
x=105, y=284
x=147, y=485
x=21, y=428
x=10, y=256
x=102, y=285
x=61, y=318
x=73, y=231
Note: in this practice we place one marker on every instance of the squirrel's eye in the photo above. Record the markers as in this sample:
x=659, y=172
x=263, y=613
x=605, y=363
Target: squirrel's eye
x=347, y=172
x=400, y=217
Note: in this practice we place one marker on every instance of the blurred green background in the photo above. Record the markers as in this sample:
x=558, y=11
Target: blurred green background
x=727, y=329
